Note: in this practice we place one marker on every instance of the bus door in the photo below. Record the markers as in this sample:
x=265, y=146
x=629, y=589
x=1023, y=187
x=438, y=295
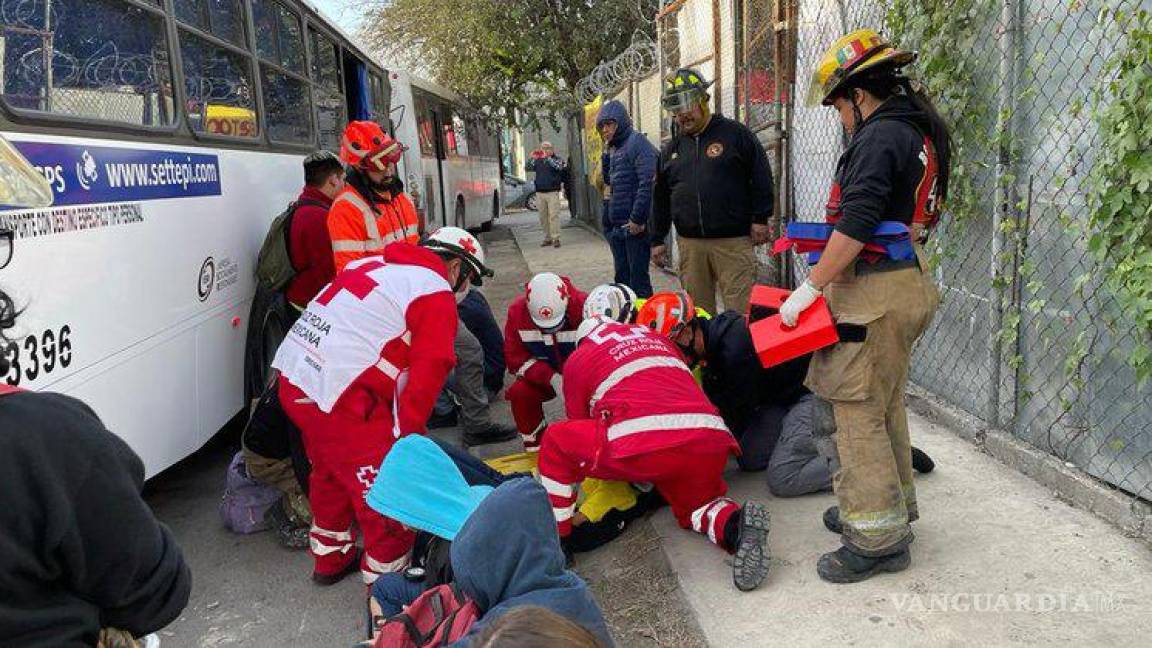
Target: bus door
x=438, y=121
x=356, y=88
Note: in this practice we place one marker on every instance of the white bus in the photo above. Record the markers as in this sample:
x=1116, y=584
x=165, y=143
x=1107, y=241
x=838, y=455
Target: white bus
x=452, y=165
x=172, y=132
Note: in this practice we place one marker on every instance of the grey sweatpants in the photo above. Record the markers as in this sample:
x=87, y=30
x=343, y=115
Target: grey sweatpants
x=466, y=383
x=782, y=440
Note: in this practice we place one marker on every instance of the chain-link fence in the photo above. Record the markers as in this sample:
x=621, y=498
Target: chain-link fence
x=1028, y=338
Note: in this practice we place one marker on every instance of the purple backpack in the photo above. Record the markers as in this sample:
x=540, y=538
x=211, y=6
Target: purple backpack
x=245, y=500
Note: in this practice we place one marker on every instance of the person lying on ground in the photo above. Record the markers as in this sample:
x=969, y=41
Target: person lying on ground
x=636, y=414
x=774, y=416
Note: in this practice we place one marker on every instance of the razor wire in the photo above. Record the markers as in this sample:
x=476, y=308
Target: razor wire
x=639, y=60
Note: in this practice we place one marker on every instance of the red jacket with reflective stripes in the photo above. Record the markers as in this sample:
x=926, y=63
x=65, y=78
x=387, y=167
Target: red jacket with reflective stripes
x=636, y=383
x=360, y=228
x=378, y=340
x=532, y=354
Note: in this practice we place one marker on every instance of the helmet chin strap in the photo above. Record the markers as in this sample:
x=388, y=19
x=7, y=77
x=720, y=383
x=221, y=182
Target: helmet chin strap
x=857, y=116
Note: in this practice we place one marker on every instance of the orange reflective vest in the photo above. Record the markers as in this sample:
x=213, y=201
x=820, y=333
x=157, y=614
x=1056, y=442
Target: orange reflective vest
x=358, y=231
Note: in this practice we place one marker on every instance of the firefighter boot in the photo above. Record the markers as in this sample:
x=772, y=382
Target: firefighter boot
x=847, y=566
x=832, y=520
x=750, y=562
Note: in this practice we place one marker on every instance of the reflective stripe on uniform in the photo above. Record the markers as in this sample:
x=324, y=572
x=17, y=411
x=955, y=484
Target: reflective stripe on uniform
x=342, y=541
x=523, y=370
x=341, y=536
x=563, y=513
x=348, y=246
x=875, y=523
x=384, y=568
x=661, y=422
x=556, y=488
x=630, y=368
x=388, y=369
x=567, y=337
x=532, y=336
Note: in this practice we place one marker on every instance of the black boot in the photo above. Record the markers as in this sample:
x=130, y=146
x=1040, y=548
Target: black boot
x=846, y=566
x=492, y=433
x=921, y=462
x=832, y=520
x=751, y=560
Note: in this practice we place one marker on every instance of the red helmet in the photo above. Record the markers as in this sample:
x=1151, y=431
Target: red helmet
x=367, y=146
x=667, y=313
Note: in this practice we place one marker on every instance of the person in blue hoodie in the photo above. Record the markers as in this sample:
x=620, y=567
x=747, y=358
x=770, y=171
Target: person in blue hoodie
x=507, y=555
x=628, y=167
x=432, y=488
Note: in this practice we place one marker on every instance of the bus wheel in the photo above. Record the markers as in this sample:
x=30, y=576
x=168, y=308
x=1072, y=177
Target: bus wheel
x=460, y=221
x=487, y=225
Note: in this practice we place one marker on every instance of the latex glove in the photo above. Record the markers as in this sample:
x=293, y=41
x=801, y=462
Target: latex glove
x=659, y=254
x=799, y=301
x=759, y=234
x=557, y=382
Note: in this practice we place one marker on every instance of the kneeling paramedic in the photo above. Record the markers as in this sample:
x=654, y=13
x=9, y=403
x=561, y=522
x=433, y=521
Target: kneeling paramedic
x=539, y=335
x=894, y=169
x=636, y=414
x=362, y=368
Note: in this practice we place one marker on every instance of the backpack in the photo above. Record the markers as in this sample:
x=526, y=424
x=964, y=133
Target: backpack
x=245, y=500
x=274, y=268
x=440, y=616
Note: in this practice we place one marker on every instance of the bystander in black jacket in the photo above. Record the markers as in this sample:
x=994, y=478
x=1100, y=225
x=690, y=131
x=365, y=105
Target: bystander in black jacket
x=712, y=185
x=79, y=548
x=551, y=173
x=735, y=380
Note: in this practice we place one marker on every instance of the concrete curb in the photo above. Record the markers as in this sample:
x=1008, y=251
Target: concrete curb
x=1131, y=515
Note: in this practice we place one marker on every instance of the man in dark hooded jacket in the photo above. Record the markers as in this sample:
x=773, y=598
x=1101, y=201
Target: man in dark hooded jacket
x=508, y=555
x=629, y=169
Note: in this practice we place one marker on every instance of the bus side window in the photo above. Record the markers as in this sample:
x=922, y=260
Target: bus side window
x=222, y=18
x=425, y=127
x=218, y=84
x=287, y=95
x=328, y=88
x=94, y=59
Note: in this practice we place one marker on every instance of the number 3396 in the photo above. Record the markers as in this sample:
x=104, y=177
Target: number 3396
x=38, y=354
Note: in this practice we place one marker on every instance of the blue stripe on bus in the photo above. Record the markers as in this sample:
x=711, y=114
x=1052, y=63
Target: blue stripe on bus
x=81, y=175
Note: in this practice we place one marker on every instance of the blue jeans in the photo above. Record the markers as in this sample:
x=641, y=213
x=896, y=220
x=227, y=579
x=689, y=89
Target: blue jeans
x=631, y=255
x=393, y=591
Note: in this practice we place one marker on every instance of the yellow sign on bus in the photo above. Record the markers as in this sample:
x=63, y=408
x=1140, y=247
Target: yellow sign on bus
x=230, y=120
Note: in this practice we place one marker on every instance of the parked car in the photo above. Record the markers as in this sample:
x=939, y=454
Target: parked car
x=519, y=194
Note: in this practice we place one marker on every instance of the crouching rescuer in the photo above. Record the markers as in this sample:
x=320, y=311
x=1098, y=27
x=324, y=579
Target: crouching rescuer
x=362, y=368
x=636, y=414
x=894, y=171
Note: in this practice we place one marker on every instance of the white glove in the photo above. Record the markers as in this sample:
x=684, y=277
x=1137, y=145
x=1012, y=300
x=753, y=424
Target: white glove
x=798, y=302
x=557, y=382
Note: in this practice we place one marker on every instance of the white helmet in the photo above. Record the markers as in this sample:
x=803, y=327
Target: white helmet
x=616, y=301
x=458, y=243
x=547, y=300
x=591, y=324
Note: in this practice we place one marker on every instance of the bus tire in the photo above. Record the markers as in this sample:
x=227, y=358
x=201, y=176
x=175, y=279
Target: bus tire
x=487, y=225
x=461, y=221
x=266, y=330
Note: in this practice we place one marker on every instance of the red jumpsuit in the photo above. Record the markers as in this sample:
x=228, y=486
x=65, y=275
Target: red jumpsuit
x=636, y=414
x=534, y=357
x=362, y=367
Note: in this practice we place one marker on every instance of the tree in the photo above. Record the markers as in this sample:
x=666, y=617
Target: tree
x=508, y=56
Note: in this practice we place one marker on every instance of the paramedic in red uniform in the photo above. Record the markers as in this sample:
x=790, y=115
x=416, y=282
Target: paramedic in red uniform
x=539, y=334
x=361, y=368
x=635, y=413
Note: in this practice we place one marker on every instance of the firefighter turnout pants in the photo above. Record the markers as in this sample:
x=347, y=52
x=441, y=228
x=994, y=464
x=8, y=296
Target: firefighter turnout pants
x=345, y=461
x=865, y=383
x=527, y=400
x=691, y=482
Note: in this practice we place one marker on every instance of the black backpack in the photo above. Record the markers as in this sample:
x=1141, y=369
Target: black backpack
x=274, y=267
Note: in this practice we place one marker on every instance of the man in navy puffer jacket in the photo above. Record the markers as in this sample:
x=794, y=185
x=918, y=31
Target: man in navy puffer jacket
x=629, y=168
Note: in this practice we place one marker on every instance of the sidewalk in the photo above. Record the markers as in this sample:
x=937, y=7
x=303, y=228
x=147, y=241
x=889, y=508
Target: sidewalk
x=997, y=559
